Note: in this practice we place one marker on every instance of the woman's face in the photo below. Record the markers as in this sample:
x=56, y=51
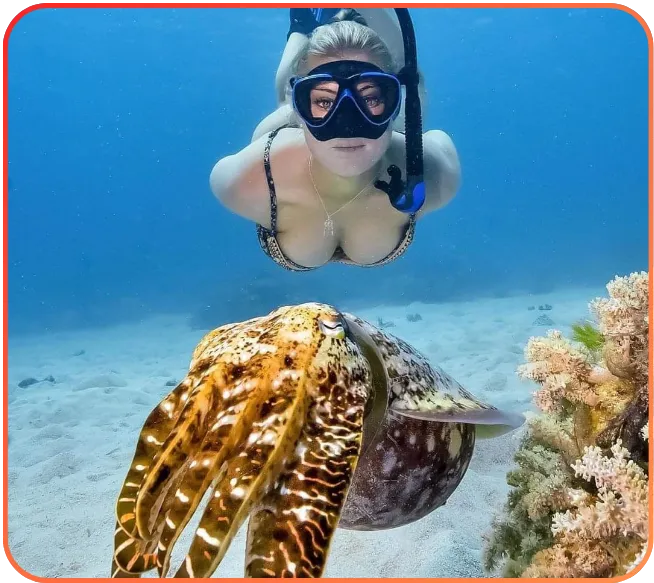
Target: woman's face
x=346, y=156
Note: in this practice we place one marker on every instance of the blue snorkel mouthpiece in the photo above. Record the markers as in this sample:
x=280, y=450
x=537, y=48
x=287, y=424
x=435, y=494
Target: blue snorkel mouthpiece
x=414, y=198
x=408, y=196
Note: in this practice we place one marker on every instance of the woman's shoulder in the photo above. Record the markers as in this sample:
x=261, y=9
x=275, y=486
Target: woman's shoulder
x=442, y=171
x=287, y=148
x=286, y=138
x=289, y=159
x=240, y=181
x=241, y=168
x=433, y=142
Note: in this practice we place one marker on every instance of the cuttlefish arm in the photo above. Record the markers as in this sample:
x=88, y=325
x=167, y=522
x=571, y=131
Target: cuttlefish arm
x=136, y=548
x=290, y=532
x=274, y=420
x=134, y=555
x=235, y=429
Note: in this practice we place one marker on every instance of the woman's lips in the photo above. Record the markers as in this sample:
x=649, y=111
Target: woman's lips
x=348, y=148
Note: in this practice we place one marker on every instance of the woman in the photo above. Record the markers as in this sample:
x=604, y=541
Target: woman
x=315, y=190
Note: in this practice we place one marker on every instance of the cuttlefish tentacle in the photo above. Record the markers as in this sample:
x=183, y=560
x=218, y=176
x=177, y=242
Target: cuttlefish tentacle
x=221, y=383
x=249, y=474
x=155, y=431
x=135, y=554
x=225, y=434
x=132, y=556
x=176, y=452
x=290, y=532
x=238, y=428
x=157, y=428
x=227, y=389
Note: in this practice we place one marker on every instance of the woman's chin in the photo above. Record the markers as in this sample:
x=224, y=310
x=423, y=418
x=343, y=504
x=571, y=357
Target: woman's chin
x=349, y=157
x=348, y=162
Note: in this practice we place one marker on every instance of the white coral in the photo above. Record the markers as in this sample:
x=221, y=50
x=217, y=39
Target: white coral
x=561, y=369
x=622, y=504
x=625, y=312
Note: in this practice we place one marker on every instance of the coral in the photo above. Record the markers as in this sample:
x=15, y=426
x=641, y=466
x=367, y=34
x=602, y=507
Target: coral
x=558, y=434
x=579, y=500
x=604, y=534
x=622, y=497
x=561, y=369
x=540, y=484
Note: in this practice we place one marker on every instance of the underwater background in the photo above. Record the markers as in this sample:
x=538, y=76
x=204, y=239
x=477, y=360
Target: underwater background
x=116, y=118
x=120, y=258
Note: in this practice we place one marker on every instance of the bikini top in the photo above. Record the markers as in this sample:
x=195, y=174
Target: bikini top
x=268, y=237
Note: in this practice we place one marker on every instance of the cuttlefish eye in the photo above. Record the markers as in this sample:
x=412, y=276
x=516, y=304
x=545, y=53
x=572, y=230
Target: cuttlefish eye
x=334, y=328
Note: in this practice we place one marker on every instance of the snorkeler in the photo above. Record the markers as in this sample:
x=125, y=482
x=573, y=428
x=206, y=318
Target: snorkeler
x=334, y=181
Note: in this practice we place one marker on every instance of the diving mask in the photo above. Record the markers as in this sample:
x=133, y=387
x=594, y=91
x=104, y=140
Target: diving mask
x=347, y=99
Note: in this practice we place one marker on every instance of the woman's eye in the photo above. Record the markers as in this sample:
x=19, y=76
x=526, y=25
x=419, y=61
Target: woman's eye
x=324, y=103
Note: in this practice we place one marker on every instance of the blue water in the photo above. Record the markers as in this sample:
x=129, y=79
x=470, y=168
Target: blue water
x=116, y=118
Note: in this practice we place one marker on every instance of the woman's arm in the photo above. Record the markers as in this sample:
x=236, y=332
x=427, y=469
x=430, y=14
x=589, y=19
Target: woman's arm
x=441, y=167
x=442, y=170
x=238, y=181
x=282, y=116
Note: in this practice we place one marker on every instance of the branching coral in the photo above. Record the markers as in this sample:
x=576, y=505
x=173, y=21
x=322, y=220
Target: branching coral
x=562, y=371
x=621, y=506
x=605, y=533
x=580, y=494
x=539, y=481
x=540, y=488
x=623, y=320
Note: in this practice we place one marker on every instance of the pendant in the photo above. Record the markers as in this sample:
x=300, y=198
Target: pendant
x=329, y=227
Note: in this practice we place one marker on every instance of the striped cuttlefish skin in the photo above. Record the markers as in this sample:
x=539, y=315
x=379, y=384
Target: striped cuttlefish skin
x=268, y=421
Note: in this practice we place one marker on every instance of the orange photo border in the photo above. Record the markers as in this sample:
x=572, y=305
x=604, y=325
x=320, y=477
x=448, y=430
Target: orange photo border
x=566, y=5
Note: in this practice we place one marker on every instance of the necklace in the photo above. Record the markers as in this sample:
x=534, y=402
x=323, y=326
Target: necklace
x=329, y=223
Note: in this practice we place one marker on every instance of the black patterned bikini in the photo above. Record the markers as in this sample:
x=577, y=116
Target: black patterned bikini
x=268, y=237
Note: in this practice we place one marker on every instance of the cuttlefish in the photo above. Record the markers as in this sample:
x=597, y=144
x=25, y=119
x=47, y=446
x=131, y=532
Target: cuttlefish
x=301, y=420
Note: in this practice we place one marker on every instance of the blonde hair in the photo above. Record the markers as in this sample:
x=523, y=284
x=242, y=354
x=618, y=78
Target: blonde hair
x=340, y=37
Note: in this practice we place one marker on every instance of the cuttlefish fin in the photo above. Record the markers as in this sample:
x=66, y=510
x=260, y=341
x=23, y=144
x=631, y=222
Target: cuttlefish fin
x=489, y=422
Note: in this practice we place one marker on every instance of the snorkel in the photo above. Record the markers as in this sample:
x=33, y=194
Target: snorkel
x=349, y=118
x=408, y=196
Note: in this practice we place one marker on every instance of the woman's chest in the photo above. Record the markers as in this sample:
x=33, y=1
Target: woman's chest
x=366, y=232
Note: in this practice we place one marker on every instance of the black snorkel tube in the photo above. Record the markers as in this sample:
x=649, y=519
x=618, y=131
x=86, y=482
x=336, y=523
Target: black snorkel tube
x=408, y=196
